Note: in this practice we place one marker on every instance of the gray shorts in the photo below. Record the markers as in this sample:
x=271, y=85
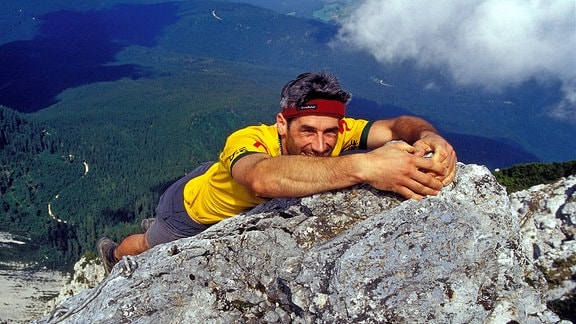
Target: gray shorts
x=172, y=221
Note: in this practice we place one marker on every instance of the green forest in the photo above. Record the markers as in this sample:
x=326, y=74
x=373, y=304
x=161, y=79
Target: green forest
x=523, y=176
x=100, y=170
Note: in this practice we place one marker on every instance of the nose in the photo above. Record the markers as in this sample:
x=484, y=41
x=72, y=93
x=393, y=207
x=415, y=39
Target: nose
x=319, y=145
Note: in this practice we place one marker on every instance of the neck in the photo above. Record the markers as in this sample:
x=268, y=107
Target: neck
x=280, y=145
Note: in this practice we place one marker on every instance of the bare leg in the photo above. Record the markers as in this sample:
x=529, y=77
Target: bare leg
x=132, y=245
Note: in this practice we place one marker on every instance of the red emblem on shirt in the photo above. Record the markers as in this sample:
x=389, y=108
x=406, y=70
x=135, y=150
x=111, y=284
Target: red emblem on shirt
x=344, y=126
x=258, y=144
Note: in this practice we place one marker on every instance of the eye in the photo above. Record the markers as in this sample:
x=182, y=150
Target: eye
x=308, y=130
x=331, y=132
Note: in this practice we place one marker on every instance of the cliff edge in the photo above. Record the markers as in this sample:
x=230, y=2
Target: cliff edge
x=355, y=255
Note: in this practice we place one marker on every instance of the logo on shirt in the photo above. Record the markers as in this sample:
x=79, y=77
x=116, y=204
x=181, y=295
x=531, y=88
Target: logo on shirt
x=239, y=151
x=258, y=144
x=344, y=127
x=353, y=145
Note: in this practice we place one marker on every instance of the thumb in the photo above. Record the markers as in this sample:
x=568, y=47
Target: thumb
x=420, y=149
x=402, y=146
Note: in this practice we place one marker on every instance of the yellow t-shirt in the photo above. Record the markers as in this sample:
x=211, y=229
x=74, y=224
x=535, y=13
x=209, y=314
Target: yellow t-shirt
x=215, y=195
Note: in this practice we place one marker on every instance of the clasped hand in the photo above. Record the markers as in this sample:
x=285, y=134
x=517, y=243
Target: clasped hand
x=402, y=168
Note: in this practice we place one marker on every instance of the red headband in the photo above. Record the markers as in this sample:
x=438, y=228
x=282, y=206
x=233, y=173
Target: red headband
x=317, y=107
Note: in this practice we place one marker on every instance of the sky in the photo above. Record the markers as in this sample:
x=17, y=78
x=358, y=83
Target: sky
x=489, y=43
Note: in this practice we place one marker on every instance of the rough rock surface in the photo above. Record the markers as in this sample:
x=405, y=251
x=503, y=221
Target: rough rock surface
x=86, y=275
x=356, y=255
x=548, y=223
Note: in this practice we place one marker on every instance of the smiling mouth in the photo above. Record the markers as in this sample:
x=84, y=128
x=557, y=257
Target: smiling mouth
x=313, y=154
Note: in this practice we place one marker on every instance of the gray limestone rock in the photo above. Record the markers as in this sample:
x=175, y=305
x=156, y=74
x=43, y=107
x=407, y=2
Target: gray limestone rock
x=548, y=224
x=355, y=255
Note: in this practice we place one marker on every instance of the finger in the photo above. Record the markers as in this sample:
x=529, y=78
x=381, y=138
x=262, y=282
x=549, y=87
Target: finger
x=430, y=165
x=449, y=178
x=408, y=194
x=402, y=146
x=426, y=184
x=419, y=185
x=440, y=155
x=451, y=161
x=445, y=179
x=421, y=148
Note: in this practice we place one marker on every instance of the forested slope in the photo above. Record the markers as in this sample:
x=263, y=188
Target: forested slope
x=97, y=163
x=33, y=161
x=523, y=176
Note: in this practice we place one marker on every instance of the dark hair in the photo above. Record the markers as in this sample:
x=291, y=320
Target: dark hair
x=312, y=85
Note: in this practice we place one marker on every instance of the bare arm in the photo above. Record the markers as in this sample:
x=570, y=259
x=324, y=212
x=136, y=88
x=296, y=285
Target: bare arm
x=387, y=168
x=296, y=175
x=406, y=128
x=399, y=167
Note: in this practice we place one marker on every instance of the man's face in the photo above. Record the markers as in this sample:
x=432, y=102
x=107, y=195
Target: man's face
x=311, y=135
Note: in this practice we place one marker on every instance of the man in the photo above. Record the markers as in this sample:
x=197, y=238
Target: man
x=296, y=157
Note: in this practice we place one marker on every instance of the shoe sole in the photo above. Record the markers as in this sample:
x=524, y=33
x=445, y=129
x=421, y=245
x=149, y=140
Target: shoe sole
x=102, y=256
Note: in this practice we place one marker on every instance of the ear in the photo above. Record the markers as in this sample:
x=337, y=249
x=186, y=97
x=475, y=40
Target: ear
x=282, y=124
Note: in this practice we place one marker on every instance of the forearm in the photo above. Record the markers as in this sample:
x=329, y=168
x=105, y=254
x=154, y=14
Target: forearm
x=406, y=128
x=411, y=129
x=390, y=167
x=298, y=176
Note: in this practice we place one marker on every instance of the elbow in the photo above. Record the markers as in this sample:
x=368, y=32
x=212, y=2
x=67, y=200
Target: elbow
x=248, y=172
x=261, y=188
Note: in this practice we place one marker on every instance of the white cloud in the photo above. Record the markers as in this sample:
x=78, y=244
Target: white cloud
x=492, y=43
x=566, y=109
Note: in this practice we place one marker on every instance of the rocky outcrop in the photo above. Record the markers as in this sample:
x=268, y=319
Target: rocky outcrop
x=356, y=255
x=547, y=216
x=87, y=273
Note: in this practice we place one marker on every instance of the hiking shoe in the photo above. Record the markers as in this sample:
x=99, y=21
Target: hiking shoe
x=146, y=223
x=106, y=249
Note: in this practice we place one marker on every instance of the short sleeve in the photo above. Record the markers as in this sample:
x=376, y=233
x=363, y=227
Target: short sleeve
x=354, y=134
x=250, y=140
